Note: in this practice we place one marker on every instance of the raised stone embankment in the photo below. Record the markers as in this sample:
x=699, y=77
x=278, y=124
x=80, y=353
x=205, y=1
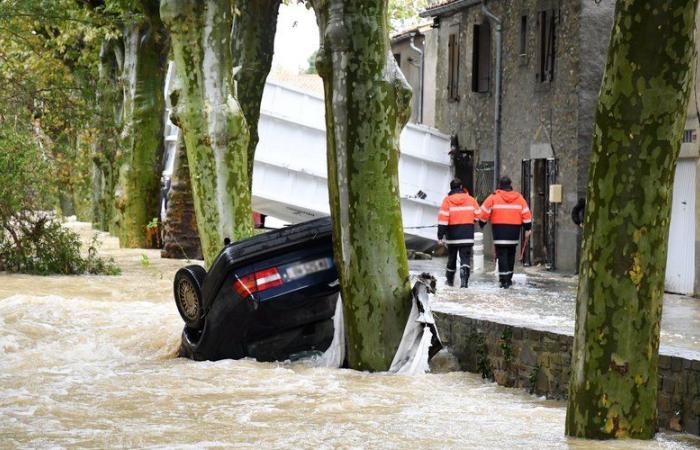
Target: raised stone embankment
x=540, y=361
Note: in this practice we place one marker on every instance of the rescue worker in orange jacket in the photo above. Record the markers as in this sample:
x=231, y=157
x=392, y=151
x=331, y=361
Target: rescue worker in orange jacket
x=458, y=213
x=508, y=212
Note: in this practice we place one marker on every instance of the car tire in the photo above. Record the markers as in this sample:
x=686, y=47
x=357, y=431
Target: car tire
x=187, y=289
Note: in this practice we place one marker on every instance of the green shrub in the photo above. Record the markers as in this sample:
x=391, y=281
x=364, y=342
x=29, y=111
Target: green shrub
x=40, y=245
x=31, y=240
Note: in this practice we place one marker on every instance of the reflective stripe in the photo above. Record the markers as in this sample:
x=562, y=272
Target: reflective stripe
x=507, y=207
x=461, y=208
x=460, y=241
x=443, y=213
x=466, y=265
x=485, y=209
x=526, y=210
x=527, y=220
x=505, y=273
x=442, y=222
x=478, y=211
x=452, y=270
x=503, y=242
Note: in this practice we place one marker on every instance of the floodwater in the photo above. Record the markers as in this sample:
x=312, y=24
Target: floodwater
x=89, y=362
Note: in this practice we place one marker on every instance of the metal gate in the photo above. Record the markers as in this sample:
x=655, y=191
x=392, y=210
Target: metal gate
x=526, y=175
x=550, y=224
x=549, y=214
x=680, y=262
x=484, y=180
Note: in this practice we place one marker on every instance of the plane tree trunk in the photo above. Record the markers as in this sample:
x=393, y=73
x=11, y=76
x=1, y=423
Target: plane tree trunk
x=367, y=105
x=139, y=159
x=212, y=123
x=108, y=123
x=638, y=128
x=180, y=236
x=253, y=46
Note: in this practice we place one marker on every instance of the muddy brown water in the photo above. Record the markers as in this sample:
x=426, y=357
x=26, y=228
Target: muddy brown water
x=89, y=362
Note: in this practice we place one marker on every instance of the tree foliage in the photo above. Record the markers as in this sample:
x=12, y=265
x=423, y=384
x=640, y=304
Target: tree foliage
x=48, y=56
x=404, y=13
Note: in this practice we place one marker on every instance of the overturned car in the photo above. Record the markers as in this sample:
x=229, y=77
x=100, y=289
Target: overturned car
x=272, y=297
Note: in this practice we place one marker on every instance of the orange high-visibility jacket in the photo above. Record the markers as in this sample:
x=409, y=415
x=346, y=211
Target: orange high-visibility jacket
x=456, y=218
x=508, y=212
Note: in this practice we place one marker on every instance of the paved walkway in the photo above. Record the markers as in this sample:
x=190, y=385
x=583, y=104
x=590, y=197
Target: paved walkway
x=546, y=301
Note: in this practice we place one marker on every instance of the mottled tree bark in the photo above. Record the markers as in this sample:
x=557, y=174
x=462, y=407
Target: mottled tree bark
x=367, y=105
x=180, y=236
x=213, y=126
x=140, y=155
x=638, y=128
x=108, y=123
x=253, y=46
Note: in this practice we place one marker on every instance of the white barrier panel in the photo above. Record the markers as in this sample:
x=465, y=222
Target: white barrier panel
x=289, y=180
x=290, y=171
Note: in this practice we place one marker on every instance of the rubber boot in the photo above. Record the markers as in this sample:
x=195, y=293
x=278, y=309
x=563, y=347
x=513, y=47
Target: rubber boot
x=450, y=275
x=502, y=282
x=506, y=282
x=464, y=277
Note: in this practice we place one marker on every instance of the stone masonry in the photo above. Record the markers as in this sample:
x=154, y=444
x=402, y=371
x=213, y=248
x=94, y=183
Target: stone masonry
x=539, y=361
x=556, y=114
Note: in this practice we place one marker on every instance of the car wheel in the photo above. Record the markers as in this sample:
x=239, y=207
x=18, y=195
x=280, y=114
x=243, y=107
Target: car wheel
x=187, y=288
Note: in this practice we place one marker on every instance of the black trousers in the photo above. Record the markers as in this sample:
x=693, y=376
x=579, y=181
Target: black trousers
x=506, y=261
x=465, y=256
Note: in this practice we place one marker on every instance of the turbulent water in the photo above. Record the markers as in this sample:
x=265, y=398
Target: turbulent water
x=90, y=362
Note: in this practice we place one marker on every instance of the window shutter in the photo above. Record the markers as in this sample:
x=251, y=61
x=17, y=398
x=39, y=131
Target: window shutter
x=450, y=64
x=476, y=35
x=551, y=45
x=541, y=45
x=484, y=57
x=453, y=68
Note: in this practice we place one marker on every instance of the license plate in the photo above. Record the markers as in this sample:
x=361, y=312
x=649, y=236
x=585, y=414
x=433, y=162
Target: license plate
x=303, y=269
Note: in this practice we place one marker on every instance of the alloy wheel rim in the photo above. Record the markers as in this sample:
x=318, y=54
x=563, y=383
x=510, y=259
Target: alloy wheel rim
x=188, y=298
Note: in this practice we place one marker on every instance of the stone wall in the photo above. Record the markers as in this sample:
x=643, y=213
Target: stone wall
x=539, y=361
x=594, y=36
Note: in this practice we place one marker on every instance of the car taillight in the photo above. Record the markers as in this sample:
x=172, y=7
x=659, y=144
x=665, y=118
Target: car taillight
x=257, y=282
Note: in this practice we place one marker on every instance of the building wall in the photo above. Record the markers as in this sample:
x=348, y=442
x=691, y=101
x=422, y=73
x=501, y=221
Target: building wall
x=693, y=123
x=557, y=116
x=409, y=65
x=429, y=82
x=596, y=26
x=532, y=112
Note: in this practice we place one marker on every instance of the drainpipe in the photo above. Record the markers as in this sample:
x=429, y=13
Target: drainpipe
x=497, y=97
x=420, y=77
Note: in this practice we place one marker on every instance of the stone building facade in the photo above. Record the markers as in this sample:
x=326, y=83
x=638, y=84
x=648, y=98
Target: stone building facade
x=553, y=55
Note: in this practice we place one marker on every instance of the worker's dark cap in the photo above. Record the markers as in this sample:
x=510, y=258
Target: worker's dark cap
x=504, y=182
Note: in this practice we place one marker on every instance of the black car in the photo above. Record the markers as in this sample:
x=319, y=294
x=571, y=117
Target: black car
x=268, y=297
